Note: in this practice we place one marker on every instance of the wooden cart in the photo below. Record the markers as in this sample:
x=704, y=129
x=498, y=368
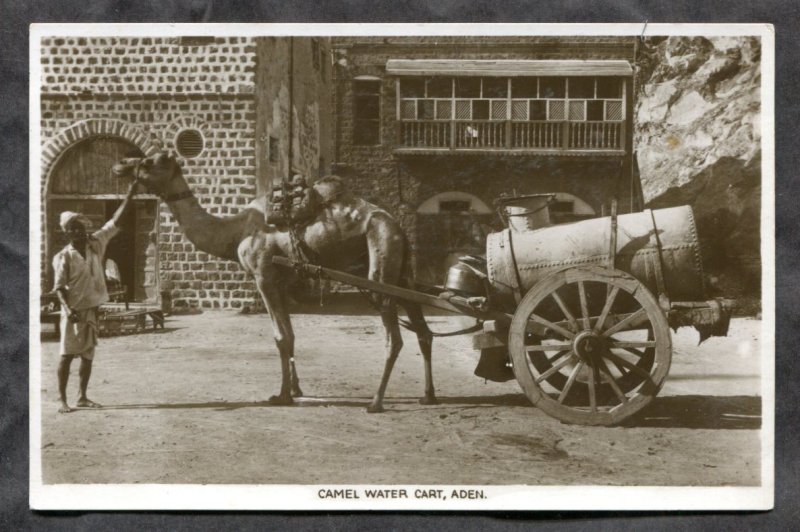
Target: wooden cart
x=588, y=344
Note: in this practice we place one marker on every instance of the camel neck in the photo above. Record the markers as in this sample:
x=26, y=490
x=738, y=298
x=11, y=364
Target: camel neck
x=214, y=235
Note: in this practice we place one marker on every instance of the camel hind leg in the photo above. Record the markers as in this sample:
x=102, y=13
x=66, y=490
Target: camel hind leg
x=386, y=245
x=425, y=339
x=394, y=343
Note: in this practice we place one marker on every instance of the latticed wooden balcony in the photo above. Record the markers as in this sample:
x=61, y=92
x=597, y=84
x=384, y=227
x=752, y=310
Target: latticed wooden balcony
x=540, y=135
x=568, y=107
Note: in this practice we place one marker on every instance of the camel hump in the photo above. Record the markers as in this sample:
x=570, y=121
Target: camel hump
x=332, y=188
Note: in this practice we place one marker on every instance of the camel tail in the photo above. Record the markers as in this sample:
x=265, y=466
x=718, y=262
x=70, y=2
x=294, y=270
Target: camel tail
x=406, y=275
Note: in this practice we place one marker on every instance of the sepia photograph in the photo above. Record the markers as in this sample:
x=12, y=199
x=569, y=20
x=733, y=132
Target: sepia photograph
x=366, y=266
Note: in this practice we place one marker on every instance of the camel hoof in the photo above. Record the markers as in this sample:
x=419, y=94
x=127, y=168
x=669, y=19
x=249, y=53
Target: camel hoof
x=297, y=392
x=432, y=400
x=280, y=400
x=374, y=409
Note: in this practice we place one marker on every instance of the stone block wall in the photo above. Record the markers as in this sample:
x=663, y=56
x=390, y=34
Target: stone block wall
x=147, y=90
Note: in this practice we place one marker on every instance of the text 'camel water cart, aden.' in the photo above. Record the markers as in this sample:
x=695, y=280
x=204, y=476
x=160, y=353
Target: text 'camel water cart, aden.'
x=579, y=313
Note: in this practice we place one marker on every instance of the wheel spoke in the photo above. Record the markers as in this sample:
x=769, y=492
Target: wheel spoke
x=548, y=347
x=634, y=351
x=630, y=320
x=610, y=379
x=592, y=394
x=632, y=367
x=555, y=368
x=620, y=368
x=584, y=305
x=626, y=345
x=565, y=311
x=550, y=325
x=570, y=381
x=606, y=308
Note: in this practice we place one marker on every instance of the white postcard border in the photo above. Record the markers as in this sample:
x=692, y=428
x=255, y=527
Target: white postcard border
x=307, y=497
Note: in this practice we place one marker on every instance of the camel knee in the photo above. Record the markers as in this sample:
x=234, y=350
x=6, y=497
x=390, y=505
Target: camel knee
x=426, y=344
x=285, y=344
x=394, y=343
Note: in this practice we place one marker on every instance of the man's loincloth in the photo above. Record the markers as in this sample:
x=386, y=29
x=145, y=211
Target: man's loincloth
x=80, y=337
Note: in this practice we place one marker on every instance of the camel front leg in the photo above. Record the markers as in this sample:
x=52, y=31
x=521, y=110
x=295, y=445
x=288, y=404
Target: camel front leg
x=295, y=380
x=275, y=302
x=394, y=343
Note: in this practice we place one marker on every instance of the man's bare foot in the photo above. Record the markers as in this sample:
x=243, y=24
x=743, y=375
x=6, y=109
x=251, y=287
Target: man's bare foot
x=64, y=409
x=87, y=403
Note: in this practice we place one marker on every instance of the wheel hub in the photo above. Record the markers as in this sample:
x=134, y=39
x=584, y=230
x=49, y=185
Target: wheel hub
x=589, y=346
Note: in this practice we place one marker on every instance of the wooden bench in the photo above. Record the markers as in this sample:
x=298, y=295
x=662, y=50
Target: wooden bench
x=131, y=319
x=50, y=310
x=112, y=320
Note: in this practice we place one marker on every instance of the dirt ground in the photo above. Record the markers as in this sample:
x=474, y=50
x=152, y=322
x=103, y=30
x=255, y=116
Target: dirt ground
x=188, y=405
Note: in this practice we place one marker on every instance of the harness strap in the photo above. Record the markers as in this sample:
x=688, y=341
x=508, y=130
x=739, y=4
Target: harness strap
x=169, y=198
x=659, y=260
x=474, y=328
x=410, y=326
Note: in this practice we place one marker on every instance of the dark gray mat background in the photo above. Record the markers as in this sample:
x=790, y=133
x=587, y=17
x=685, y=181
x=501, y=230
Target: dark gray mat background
x=15, y=16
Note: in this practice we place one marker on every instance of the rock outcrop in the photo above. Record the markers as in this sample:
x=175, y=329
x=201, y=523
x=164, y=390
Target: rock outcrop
x=698, y=142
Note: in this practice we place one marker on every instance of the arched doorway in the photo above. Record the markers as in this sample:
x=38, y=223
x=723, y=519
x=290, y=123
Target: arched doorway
x=81, y=180
x=449, y=225
x=568, y=208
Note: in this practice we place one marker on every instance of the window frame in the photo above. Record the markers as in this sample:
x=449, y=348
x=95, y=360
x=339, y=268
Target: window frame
x=510, y=101
x=376, y=122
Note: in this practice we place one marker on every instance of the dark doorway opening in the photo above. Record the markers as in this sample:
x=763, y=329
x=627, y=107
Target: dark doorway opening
x=122, y=250
x=82, y=181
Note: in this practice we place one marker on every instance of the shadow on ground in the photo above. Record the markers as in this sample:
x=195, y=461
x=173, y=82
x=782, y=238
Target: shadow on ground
x=51, y=336
x=741, y=412
x=684, y=411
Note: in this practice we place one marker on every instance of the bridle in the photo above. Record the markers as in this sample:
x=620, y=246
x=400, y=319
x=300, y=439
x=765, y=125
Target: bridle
x=169, y=198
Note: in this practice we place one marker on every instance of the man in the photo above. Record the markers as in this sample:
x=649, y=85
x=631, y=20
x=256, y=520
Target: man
x=81, y=288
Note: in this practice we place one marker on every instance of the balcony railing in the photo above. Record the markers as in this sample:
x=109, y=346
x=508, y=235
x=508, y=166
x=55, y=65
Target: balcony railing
x=595, y=135
x=512, y=135
x=480, y=134
x=547, y=135
x=425, y=134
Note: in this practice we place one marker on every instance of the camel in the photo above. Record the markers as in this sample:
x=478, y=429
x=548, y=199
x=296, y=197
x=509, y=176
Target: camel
x=346, y=232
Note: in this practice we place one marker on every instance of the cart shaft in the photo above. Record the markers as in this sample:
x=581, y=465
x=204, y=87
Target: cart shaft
x=445, y=301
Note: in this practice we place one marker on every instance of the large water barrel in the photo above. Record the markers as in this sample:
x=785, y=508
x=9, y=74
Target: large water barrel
x=647, y=242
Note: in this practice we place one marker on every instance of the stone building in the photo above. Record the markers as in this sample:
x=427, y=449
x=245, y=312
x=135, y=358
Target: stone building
x=436, y=128
x=433, y=129
x=240, y=113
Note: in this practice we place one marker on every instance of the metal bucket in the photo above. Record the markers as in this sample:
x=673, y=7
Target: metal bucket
x=527, y=212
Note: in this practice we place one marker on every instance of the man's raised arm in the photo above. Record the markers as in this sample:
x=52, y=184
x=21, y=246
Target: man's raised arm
x=123, y=208
x=111, y=227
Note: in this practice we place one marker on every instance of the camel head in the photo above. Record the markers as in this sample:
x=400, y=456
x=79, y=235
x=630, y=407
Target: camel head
x=159, y=173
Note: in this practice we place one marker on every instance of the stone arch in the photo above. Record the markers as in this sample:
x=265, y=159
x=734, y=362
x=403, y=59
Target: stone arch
x=57, y=150
x=449, y=225
x=432, y=205
x=580, y=207
x=68, y=137
x=568, y=207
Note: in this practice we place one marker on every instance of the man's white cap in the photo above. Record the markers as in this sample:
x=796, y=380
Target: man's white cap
x=68, y=216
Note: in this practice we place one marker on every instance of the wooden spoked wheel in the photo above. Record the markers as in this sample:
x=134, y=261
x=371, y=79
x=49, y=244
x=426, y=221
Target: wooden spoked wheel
x=590, y=345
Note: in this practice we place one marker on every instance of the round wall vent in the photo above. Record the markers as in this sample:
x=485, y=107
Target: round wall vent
x=189, y=143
